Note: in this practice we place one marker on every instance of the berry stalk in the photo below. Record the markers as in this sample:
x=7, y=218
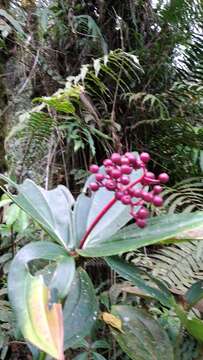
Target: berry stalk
x=104, y=211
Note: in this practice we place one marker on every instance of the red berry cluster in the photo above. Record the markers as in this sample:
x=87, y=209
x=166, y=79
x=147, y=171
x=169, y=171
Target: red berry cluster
x=117, y=178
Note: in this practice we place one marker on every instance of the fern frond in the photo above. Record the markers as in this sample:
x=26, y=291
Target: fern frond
x=179, y=266
x=86, y=25
x=185, y=196
x=40, y=126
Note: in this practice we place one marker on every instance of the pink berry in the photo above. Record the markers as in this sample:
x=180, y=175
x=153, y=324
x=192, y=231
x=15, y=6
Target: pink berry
x=150, y=175
x=94, y=169
x=143, y=213
x=141, y=223
x=125, y=160
x=157, y=200
x=126, y=169
x=148, y=197
x=157, y=189
x=110, y=185
x=94, y=186
x=137, y=193
x=144, y=157
x=107, y=162
x=124, y=179
x=116, y=158
x=109, y=170
x=119, y=195
x=133, y=214
x=115, y=173
x=131, y=192
x=128, y=154
x=99, y=177
x=130, y=157
x=126, y=199
x=138, y=164
x=164, y=178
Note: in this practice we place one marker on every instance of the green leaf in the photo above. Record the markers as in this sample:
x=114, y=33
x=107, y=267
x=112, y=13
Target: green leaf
x=12, y=21
x=193, y=325
x=97, y=356
x=12, y=214
x=142, y=337
x=195, y=293
x=133, y=274
x=175, y=227
x=19, y=280
x=80, y=309
x=100, y=344
x=60, y=104
x=4, y=202
x=44, y=327
x=82, y=356
x=51, y=209
x=22, y=222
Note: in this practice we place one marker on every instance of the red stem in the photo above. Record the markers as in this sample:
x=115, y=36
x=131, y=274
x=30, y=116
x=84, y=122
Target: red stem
x=104, y=211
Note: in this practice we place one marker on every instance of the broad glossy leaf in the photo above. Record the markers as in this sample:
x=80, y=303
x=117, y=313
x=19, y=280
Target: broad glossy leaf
x=87, y=208
x=51, y=209
x=195, y=293
x=131, y=273
x=159, y=229
x=80, y=309
x=44, y=328
x=19, y=281
x=142, y=337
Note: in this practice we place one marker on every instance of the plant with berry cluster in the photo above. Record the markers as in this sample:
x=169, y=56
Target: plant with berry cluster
x=54, y=311
x=116, y=177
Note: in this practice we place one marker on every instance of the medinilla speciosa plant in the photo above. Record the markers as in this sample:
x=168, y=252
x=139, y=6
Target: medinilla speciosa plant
x=57, y=306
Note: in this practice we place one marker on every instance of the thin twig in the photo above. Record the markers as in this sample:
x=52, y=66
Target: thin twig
x=30, y=74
